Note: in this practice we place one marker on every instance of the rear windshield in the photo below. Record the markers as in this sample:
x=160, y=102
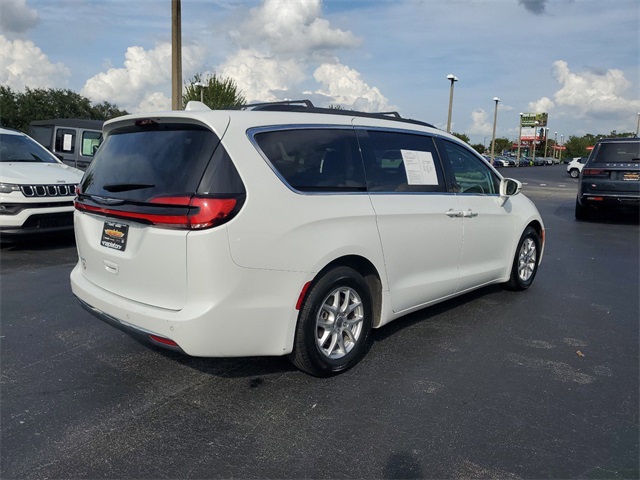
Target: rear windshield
x=139, y=164
x=622, y=152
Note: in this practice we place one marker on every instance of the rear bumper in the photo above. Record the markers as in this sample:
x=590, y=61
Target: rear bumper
x=608, y=200
x=255, y=316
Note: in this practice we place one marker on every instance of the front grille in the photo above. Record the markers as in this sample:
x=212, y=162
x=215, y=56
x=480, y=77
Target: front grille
x=63, y=190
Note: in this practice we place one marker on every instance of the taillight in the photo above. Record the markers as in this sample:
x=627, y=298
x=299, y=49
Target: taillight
x=594, y=172
x=188, y=213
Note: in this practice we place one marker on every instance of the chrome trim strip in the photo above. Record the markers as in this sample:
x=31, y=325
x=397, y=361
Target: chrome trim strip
x=66, y=190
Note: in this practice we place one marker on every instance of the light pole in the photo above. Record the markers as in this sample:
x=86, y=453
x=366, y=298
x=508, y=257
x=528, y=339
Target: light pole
x=638, y=126
x=546, y=141
x=561, y=144
x=535, y=137
x=519, y=140
x=201, y=85
x=495, y=120
x=555, y=144
x=452, y=78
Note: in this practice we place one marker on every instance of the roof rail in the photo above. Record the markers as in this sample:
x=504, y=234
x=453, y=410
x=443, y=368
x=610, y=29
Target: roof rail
x=265, y=105
x=307, y=107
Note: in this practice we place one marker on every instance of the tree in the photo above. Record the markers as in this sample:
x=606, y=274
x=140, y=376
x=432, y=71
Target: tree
x=501, y=144
x=217, y=93
x=18, y=109
x=478, y=147
x=461, y=136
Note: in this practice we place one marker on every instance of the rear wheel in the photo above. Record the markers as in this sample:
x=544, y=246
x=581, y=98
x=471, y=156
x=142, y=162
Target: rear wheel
x=334, y=324
x=525, y=263
x=574, y=173
x=583, y=212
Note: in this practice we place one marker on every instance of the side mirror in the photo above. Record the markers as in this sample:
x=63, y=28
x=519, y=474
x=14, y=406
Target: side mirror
x=508, y=188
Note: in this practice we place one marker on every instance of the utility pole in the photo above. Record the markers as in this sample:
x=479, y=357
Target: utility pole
x=176, y=55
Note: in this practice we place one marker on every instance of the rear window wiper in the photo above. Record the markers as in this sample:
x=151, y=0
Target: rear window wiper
x=126, y=187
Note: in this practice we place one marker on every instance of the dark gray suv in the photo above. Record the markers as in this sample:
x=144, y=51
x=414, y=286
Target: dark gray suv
x=610, y=178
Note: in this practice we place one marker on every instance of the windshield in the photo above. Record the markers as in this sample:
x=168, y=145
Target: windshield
x=18, y=148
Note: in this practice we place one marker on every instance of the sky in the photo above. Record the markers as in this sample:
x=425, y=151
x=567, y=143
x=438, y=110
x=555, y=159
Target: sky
x=577, y=60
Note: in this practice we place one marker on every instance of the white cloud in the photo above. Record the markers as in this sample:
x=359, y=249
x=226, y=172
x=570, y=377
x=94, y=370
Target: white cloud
x=262, y=77
x=344, y=86
x=17, y=17
x=480, y=125
x=281, y=43
x=24, y=65
x=291, y=28
x=588, y=93
x=141, y=84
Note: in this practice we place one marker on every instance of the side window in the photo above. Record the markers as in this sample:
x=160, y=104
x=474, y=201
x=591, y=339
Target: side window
x=470, y=173
x=90, y=141
x=65, y=140
x=400, y=162
x=315, y=159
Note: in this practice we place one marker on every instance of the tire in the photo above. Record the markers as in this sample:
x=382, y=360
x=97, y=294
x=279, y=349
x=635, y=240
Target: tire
x=574, y=173
x=582, y=211
x=334, y=324
x=525, y=262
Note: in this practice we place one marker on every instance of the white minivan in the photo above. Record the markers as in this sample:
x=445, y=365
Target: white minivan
x=287, y=229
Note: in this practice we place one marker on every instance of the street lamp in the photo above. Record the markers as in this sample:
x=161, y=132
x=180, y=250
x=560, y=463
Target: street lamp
x=519, y=140
x=546, y=141
x=555, y=144
x=561, y=144
x=201, y=85
x=495, y=119
x=535, y=137
x=452, y=78
x=638, y=126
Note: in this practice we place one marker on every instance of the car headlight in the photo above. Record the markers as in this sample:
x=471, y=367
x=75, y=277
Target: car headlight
x=9, y=187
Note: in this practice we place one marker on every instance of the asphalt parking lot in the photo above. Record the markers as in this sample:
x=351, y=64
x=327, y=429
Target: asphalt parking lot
x=495, y=384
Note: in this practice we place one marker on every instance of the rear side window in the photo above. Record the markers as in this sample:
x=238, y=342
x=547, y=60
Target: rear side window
x=618, y=152
x=400, y=162
x=65, y=140
x=90, y=142
x=141, y=163
x=315, y=160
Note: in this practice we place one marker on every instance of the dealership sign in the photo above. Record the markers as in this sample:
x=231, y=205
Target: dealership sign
x=532, y=126
x=534, y=119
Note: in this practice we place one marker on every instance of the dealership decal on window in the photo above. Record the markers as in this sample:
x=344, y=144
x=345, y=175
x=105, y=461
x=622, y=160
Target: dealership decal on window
x=419, y=167
x=67, y=143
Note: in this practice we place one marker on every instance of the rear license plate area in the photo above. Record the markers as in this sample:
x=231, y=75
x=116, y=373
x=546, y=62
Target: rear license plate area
x=114, y=235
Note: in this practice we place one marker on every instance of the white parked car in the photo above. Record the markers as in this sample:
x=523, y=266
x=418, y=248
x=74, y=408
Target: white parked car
x=574, y=167
x=289, y=230
x=36, y=189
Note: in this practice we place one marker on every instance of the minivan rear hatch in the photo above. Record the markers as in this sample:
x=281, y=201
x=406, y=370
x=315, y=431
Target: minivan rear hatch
x=137, y=203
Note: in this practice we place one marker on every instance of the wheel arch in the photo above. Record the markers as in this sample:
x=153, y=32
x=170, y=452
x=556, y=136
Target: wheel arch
x=370, y=274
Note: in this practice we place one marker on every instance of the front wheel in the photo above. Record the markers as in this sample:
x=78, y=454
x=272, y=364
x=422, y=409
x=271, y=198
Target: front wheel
x=525, y=263
x=334, y=324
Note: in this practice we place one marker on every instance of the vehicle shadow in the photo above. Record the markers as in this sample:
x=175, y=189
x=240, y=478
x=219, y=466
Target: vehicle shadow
x=258, y=367
x=38, y=242
x=27, y=252
x=428, y=314
x=628, y=217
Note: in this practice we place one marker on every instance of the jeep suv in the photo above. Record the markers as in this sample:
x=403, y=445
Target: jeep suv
x=36, y=189
x=610, y=179
x=286, y=229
